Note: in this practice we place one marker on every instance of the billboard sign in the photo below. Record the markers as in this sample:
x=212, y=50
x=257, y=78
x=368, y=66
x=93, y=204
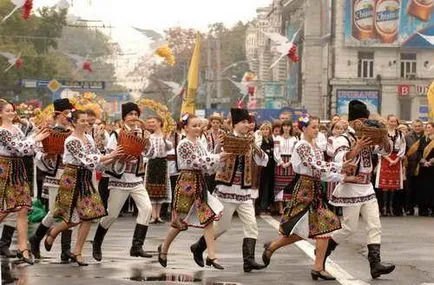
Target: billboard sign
x=369, y=97
x=389, y=23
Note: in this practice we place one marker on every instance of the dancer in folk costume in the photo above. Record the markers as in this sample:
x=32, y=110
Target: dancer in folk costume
x=389, y=178
x=126, y=179
x=284, y=172
x=53, y=168
x=356, y=194
x=77, y=201
x=307, y=215
x=9, y=223
x=193, y=205
x=234, y=191
x=157, y=178
x=14, y=186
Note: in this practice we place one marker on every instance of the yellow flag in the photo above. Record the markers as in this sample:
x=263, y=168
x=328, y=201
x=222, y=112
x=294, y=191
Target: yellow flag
x=189, y=103
x=430, y=96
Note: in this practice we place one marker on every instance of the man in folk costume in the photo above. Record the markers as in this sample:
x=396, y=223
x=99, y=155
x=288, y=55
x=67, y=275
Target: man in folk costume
x=214, y=133
x=53, y=167
x=234, y=183
x=356, y=194
x=126, y=179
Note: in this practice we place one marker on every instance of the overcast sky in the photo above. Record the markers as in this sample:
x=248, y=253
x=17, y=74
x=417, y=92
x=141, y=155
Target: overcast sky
x=159, y=15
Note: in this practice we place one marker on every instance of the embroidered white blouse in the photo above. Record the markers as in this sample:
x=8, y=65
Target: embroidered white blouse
x=283, y=146
x=158, y=146
x=308, y=160
x=194, y=156
x=354, y=190
x=80, y=153
x=13, y=143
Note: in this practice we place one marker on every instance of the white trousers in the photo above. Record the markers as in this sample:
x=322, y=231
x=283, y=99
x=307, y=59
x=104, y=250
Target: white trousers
x=246, y=212
x=370, y=215
x=49, y=220
x=117, y=200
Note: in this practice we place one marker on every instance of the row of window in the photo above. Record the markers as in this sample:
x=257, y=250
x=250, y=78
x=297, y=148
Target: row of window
x=365, y=65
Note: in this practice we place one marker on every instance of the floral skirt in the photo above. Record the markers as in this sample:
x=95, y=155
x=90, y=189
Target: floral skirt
x=282, y=177
x=77, y=199
x=193, y=205
x=307, y=214
x=14, y=188
x=157, y=181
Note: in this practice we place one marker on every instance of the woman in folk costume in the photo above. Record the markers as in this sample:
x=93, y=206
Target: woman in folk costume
x=53, y=168
x=14, y=186
x=284, y=173
x=424, y=150
x=266, y=173
x=126, y=180
x=307, y=215
x=193, y=205
x=389, y=178
x=213, y=136
x=77, y=201
x=337, y=129
x=355, y=194
x=234, y=190
x=157, y=180
x=10, y=222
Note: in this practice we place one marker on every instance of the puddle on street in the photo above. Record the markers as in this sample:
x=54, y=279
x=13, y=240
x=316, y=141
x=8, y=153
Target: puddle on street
x=197, y=277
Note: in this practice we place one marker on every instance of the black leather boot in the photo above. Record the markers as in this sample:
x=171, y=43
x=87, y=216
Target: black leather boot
x=377, y=267
x=65, y=241
x=97, y=243
x=249, y=255
x=138, y=240
x=35, y=240
x=197, y=249
x=6, y=240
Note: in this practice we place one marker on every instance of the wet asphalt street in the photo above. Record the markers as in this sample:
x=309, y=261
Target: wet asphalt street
x=407, y=241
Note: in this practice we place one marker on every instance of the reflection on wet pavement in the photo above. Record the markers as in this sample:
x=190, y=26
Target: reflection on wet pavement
x=13, y=272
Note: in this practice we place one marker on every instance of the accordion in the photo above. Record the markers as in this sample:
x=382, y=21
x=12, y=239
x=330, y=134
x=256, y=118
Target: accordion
x=131, y=143
x=372, y=129
x=236, y=145
x=54, y=143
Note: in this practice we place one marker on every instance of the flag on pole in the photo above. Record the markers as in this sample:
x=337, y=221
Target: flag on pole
x=430, y=95
x=189, y=103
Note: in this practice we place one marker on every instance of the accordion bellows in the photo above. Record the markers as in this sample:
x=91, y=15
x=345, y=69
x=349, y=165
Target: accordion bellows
x=375, y=130
x=131, y=143
x=236, y=145
x=54, y=143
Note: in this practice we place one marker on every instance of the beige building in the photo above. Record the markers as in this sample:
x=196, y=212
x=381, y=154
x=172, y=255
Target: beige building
x=332, y=70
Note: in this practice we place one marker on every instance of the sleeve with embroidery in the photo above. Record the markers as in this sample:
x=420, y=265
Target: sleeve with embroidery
x=327, y=171
x=45, y=162
x=276, y=151
x=192, y=158
x=262, y=159
x=90, y=161
x=341, y=147
x=330, y=149
x=16, y=146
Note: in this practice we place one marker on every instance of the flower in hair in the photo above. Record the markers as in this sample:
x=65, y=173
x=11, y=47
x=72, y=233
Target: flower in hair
x=184, y=119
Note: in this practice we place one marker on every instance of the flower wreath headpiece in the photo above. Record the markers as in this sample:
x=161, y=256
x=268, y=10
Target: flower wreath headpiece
x=303, y=121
